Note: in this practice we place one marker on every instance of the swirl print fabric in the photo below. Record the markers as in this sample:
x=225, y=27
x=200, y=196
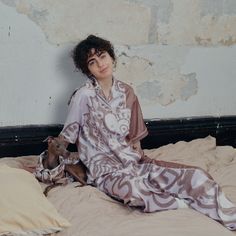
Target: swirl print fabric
x=104, y=131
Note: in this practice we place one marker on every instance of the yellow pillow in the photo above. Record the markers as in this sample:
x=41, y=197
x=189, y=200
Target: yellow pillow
x=24, y=209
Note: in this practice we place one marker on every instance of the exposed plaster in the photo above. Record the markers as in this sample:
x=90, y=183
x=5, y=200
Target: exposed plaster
x=66, y=21
x=163, y=22
x=199, y=49
x=155, y=84
x=199, y=23
x=167, y=92
x=134, y=68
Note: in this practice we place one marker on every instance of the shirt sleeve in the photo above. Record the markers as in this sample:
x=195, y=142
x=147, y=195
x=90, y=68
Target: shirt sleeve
x=138, y=129
x=72, y=124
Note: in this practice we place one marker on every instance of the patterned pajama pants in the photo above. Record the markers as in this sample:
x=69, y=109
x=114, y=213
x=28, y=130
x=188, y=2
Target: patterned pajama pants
x=158, y=185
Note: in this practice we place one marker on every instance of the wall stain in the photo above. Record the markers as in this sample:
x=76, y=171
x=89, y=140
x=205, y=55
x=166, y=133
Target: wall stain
x=190, y=88
x=150, y=90
x=203, y=41
x=228, y=42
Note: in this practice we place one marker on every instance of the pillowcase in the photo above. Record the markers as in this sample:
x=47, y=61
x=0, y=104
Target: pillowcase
x=24, y=209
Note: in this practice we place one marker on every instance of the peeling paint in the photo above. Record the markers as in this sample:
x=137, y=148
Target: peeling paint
x=208, y=23
x=165, y=78
x=66, y=21
x=134, y=68
x=155, y=84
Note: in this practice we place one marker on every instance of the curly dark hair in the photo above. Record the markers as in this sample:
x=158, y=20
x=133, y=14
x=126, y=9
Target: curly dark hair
x=82, y=51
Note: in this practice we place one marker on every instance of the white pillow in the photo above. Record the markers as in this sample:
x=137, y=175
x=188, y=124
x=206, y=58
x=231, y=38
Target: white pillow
x=24, y=209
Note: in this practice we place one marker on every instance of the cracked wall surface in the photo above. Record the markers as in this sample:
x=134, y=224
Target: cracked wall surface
x=178, y=55
x=209, y=23
x=161, y=83
x=64, y=21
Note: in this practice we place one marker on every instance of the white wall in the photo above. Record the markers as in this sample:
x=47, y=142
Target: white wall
x=180, y=57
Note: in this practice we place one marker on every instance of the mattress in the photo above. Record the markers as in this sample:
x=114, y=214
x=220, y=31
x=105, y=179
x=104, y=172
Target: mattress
x=93, y=213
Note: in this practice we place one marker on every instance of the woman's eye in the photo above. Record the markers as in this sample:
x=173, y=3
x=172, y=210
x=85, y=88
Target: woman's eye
x=103, y=56
x=91, y=63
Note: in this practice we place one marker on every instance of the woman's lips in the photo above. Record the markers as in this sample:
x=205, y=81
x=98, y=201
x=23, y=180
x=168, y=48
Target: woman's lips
x=103, y=70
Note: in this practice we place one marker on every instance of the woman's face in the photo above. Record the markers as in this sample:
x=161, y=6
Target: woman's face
x=100, y=65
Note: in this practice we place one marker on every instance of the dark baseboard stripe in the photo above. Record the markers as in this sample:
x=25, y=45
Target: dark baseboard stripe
x=162, y=132
x=25, y=140
x=28, y=140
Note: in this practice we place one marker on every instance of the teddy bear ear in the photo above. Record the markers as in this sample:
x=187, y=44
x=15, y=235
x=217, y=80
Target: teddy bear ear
x=48, y=139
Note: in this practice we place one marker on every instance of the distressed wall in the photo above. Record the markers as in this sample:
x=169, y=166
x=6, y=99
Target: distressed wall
x=179, y=55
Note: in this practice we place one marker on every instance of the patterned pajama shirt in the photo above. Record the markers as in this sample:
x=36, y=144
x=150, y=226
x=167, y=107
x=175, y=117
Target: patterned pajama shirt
x=104, y=130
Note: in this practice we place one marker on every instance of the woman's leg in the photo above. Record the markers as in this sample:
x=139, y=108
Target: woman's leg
x=206, y=196
x=197, y=188
x=136, y=191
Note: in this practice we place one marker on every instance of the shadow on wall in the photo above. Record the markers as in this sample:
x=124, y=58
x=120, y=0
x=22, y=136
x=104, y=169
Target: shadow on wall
x=72, y=79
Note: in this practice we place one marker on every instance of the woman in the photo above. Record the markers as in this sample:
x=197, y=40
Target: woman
x=106, y=123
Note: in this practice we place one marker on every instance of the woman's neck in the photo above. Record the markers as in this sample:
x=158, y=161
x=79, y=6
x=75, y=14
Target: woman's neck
x=106, y=85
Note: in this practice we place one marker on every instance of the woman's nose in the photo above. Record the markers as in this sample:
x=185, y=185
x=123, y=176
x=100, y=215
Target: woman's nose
x=100, y=63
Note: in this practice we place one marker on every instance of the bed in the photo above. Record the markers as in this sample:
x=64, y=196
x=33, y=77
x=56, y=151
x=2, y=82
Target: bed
x=90, y=212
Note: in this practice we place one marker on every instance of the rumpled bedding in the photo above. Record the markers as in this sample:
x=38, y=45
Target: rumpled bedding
x=92, y=213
